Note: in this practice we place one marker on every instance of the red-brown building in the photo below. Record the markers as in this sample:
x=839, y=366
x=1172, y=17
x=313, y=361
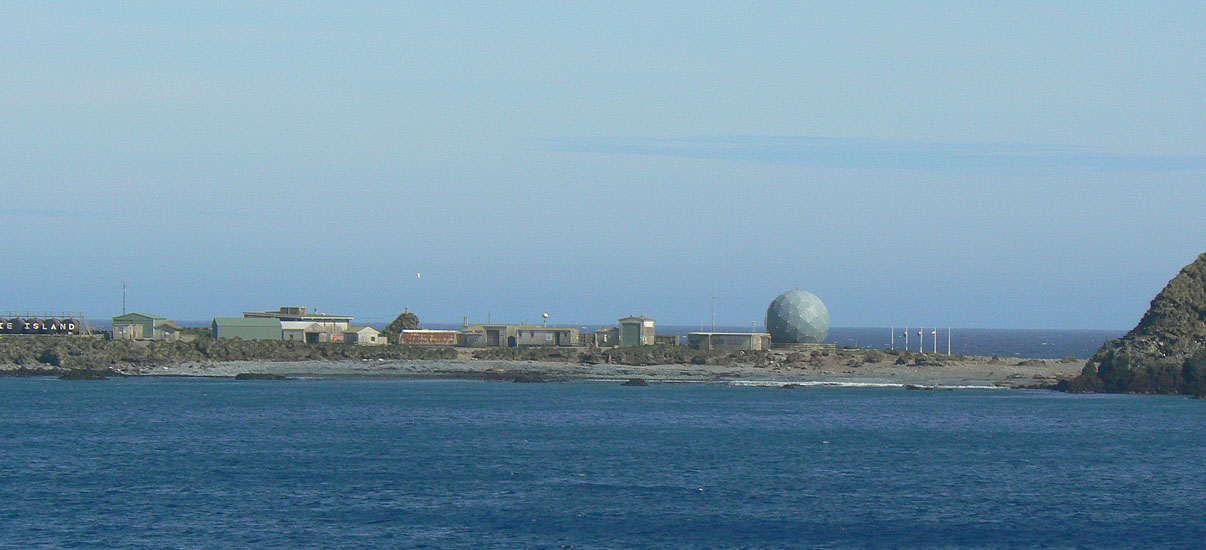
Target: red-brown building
x=427, y=337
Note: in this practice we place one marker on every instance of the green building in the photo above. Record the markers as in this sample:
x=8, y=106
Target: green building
x=636, y=331
x=144, y=326
x=247, y=328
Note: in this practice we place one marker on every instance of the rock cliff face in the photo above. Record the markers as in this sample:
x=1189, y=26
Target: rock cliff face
x=1175, y=325
x=1165, y=352
x=405, y=321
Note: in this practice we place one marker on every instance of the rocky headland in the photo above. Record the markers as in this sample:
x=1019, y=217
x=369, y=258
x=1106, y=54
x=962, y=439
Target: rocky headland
x=1164, y=353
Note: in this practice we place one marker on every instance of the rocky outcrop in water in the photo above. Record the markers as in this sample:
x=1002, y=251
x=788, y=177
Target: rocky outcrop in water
x=1165, y=352
x=260, y=376
x=84, y=374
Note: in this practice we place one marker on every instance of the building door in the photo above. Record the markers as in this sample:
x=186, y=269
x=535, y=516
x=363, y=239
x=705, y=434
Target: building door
x=630, y=334
x=492, y=338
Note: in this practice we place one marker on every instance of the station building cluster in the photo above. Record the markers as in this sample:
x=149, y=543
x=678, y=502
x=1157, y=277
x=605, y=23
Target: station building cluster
x=795, y=317
x=296, y=323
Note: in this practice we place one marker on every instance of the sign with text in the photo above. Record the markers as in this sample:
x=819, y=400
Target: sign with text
x=39, y=326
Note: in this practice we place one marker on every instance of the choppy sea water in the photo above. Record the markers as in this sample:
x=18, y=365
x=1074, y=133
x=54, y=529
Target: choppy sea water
x=185, y=463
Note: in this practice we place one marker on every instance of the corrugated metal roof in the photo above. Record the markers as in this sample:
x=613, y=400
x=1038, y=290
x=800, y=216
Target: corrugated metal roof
x=728, y=334
x=302, y=316
x=133, y=315
x=297, y=325
x=247, y=322
x=517, y=327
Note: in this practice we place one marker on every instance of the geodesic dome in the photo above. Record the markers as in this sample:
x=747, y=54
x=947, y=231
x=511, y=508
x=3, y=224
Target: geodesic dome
x=797, y=317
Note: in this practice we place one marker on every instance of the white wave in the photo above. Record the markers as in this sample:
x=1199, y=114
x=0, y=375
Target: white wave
x=842, y=384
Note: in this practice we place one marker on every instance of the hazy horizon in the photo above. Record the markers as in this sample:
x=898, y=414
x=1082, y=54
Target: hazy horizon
x=989, y=166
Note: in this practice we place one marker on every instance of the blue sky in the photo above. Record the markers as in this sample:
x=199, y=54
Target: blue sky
x=975, y=165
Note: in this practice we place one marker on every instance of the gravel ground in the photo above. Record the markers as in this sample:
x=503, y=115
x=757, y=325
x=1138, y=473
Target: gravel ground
x=968, y=372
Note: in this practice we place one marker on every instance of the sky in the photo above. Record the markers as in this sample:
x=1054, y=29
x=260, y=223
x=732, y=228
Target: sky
x=995, y=165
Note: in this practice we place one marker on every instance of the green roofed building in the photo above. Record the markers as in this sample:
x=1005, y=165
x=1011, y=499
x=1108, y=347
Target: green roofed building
x=636, y=331
x=247, y=328
x=144, y=326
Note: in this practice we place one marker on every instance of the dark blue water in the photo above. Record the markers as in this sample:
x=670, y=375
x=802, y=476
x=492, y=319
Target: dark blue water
x=165, y=463
x=1042, y=343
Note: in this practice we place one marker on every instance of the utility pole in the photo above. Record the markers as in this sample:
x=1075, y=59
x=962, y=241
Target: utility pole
x=892, y=338
x=123, y=297
x=713, y=314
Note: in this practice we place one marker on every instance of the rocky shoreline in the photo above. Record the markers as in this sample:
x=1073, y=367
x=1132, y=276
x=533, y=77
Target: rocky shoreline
x=83, y=358
x=840, y=369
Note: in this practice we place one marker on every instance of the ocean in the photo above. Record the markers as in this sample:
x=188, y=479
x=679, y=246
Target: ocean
x=191, y=463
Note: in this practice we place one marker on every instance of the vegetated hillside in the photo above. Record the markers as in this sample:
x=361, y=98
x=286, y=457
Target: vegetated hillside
x=820, y=357
x=642, y=355
x=1165, y=352
x=41, y=353
x=404, y=321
